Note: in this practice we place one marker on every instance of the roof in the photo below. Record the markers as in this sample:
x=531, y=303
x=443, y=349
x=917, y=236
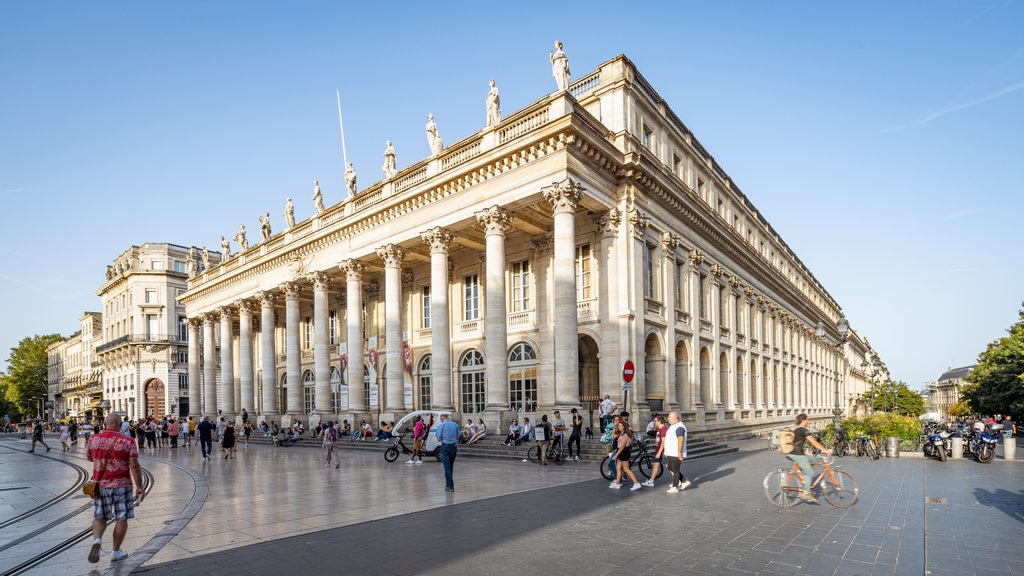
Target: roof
x=957, y=373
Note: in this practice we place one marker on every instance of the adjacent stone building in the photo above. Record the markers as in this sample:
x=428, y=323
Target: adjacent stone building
x=73, y=372
x=516, y=271
x=946, y=391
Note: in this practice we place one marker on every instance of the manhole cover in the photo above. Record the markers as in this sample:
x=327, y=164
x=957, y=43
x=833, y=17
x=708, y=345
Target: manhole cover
x=935, y=500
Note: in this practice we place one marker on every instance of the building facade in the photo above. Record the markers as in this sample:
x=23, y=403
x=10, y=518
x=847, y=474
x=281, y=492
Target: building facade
x=946, y=391
x=516, y=271
x=73, y=371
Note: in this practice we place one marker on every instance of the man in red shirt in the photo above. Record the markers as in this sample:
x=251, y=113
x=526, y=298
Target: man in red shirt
x=120, y=455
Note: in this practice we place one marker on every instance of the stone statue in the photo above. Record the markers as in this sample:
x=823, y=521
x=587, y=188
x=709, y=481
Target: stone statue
x=559, y=66
x=265, y=226
x=432, y=138
x=206, y=258
x=390, y=161
x=190, y=265
x=243, y=244
x=318, y=198
x=350, y=180
x=289, y=214
x=493, y=106
x=226, y=248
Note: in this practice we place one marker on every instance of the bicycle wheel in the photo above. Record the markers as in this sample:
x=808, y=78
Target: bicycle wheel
x=555, y=455
x=606, y=471
x=872, y=451
x=782, y=488
x=391, y=454
x=840, y=489
x=860, y=449
x=645, y=465
x=534, y=454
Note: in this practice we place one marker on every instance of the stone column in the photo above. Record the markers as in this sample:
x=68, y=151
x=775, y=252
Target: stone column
x=321, y=348
x=440, y=319
x=494, y=221
x=268, y=357
x=394, y=399
x=354, y=277
x=695, y=393
x=564, y=197
x=209, y=366
x=227, y=365
x=721, y=394
x=668, y=246
x=608, y=290
x=245, y=368
x=293, y=362
x=195, y=390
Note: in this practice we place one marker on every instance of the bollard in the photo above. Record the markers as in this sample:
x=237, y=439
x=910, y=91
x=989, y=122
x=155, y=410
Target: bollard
x=958, y=447
x=1009, y=448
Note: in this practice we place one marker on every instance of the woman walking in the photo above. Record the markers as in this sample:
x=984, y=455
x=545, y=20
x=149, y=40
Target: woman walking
x=330, y=442
x=228, y=443
x=65, y=435
x=622, y=455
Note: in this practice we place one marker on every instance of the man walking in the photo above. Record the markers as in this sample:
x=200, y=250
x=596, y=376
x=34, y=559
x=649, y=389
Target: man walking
x=448, y=435
x=674, y=452
x=574, y=436
x=205, y=429
x=115, y=461
x=37, y=436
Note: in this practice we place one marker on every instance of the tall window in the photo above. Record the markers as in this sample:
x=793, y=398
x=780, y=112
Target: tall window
x=472, y=380
x=152, y=326
x=677, y=285
x=722, y=295
x=583, y=272
x=282, y=399
x=471, y=286
x=522, y=378
x=521, y=286
x=182, y=329
x=335, y=390
x=150, y=296
x=426, y=308
x=183, y=381
x=650, y=281
x=702, y=286
x=333, y=326
x=425, y=382
x=308, y=391
x=179, y=266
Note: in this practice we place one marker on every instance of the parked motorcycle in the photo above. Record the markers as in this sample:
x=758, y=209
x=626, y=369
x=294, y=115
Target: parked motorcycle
x=982, y=445
x=936, y=442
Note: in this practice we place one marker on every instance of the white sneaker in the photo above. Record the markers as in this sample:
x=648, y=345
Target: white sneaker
x=577, y=458
x=410, y=461
x=615, y=485
x=118, y=555
x=418, y=462
x=648, y=483
x=636, y=486
x=684, y=485
x=672, y=490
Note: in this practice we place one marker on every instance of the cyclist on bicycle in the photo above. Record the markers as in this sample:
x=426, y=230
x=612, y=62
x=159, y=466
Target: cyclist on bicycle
x=800, y=435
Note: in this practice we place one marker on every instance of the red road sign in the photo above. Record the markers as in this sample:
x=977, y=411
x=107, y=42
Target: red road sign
x=627, y=371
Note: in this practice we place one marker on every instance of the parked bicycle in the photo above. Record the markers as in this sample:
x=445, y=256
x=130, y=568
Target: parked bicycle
x=840, y=443
x=556, y=453
x=783, y=486
x=643, y=459
x=868, y=445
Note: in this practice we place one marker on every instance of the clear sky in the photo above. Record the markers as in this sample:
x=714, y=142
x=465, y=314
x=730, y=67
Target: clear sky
x=882, y=140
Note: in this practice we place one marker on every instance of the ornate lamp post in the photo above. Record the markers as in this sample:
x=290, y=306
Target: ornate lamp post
x=843, y=327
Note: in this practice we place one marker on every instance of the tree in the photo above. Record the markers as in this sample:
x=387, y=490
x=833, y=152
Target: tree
x=960, y=409
x=25, y=380
x=893, y=396
x=999, y=375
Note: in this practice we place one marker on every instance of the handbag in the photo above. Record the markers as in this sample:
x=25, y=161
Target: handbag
x=92, y=487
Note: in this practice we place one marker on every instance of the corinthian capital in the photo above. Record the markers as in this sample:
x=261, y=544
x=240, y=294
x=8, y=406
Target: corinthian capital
x=266, y=298
x=564, y=195
x=353, y=270
x=608, y=222
x=438, y=239
x=318, y=279
x=391, y=255
x=291, y=289
x=244, y=307
x=494, y=220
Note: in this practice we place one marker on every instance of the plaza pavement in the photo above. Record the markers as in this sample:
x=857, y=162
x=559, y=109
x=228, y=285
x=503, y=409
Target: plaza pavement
x=277, y=511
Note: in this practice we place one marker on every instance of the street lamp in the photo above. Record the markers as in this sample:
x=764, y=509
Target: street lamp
x=843, y=327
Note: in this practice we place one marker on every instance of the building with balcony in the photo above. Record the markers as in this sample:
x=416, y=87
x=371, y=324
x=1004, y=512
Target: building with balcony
x=74, y=376
x=516, y=271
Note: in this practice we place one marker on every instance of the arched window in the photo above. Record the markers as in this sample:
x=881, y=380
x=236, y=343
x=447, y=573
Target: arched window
x=335, y=390
x=367, y=384
x=308, y=391
x=425, y=382
x=522, y=378
x=472, y=379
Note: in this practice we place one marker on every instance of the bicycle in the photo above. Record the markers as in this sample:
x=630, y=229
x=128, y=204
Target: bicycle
x=783, y=486
x=555, y=453
x=868, y=446
x=642, y=459
x=840, y=444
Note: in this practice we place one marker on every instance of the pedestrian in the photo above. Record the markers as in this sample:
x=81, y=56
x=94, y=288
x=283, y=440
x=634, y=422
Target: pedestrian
x=577, y=432
x=543, y=433
x=73, y=431
x=419, y=433
x=183, y=432
x=65, y=437
x=559, y=431
x=673, y=447
x=606, y=411
x=220, y=429
x=660, y=430
x=448, y=435
x=800, y=435
x=245, y=417
x=151, y=428
x=330, y=441
x=622, y=454
x=191, y=431
x=172, y=432
x=115, y=467
x=227, y=444
x=1009, y=427
x=37, y=436
x=87, y=431
x=205, y=430
x=247, y=429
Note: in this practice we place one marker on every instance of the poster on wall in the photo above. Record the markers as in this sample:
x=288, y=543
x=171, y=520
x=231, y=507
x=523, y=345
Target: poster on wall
x=372, y=370
x=343, y=394
x=407, y=369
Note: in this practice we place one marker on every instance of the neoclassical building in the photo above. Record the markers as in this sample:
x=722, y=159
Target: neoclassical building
x=946, y=390
x=517, y=270
x=73, y=373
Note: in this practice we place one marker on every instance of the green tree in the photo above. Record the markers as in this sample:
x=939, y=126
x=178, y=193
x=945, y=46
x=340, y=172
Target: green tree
x=25, y=379
x=895, y=396
x=960, y=409
x=999, y=375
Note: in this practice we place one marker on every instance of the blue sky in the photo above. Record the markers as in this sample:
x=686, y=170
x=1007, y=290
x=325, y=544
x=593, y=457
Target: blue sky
x=880, y=139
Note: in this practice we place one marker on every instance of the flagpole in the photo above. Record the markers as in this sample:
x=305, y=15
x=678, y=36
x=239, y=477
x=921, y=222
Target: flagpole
x=344, y=154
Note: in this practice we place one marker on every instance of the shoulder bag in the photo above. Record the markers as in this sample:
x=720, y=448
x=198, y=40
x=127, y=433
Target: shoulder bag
x=92, y=487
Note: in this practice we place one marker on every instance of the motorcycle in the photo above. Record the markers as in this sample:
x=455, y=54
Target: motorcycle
x=983, y=445
x=936, y=443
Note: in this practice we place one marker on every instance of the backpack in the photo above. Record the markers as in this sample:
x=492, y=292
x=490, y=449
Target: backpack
x=606, y=438
x=332, y=434
x=786, y=436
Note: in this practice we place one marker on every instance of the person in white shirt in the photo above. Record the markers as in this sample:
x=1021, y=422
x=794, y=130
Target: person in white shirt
x=606, y=411
x=675, y=452
x=526, y=432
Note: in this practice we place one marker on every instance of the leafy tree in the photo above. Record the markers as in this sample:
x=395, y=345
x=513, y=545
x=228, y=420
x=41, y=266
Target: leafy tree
x=893, y=396
x=960, y=409
x=999, y=375
x=26, y=376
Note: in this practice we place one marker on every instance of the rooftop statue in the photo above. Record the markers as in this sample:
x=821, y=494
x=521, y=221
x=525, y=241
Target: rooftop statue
x=206, y=258
x=493, y=106
x=390, y=161
x=318, y=198
x=289, y=214
x=243, y=244
x=350, y=180
x=226, y=248
x=265, y=226
x=559, y=66
x=436, y=145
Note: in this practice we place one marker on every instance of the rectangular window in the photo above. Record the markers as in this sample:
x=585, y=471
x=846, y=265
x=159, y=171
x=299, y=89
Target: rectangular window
x=702, y=286
x=521, y=286
x=183, y=381
x=677, y=282
x=307, y=341
x=179, y=266
x=471, y=286
x=650, y=283
x=722, y=320
x=181, y=357
x=647, y=138
x=426, y=309
x=156, y=265
x=472, y=392
x=182, y=329
x=152, y=326
x=583, y=272
x=677, y=165
x=150, y=296
x=702, y=190
x=333, y=326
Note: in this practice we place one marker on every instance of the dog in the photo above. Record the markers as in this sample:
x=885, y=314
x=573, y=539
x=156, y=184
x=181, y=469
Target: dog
x=588, y=433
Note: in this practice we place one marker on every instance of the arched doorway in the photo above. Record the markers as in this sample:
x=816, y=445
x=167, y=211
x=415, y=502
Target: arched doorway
x=654, y=372
x=684, y=391
x=590, y=370
x=155, y=403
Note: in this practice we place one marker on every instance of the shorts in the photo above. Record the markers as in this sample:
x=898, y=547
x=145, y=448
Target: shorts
x=116, y=504
x=417, y=444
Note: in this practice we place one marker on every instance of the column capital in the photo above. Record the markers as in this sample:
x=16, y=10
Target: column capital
x=670, y=241
x=564, y=196
x=352, y=268
x=391, y=255
x=696, y=259
x=291, y=290
x=195, y=322
x=266, y=298
x=717, y=270
x=494, y=220
x=318, y=279
x=210, y=317
x=438, y=239
x=639, y=222
x=244, y=307
x=735, y=282
x=608, y=222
